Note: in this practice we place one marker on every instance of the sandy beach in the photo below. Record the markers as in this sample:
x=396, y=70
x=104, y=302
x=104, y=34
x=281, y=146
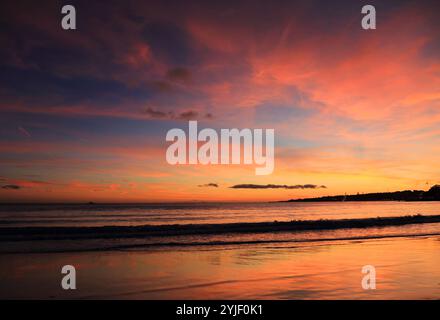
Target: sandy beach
x=325, y=270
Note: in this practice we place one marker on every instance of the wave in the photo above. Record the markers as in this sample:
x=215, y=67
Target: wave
x=146, y=231
x=220, y=243
x=264, y=241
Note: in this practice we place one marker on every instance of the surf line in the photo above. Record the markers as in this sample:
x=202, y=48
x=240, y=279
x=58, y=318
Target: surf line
x=231, y=146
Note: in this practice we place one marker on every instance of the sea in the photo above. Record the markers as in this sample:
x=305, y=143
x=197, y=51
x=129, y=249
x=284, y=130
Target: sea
x=38, y=239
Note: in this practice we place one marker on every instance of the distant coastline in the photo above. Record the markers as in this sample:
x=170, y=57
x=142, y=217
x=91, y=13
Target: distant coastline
x=432, y=194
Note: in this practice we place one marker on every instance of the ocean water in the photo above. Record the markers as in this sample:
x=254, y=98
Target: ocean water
x=79, y=215
x=308, y=264
x=126, y=217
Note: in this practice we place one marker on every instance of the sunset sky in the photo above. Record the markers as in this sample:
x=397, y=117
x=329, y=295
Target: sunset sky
x=84, y=113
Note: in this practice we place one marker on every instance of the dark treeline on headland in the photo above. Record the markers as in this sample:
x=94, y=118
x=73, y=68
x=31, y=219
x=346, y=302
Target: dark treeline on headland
x=432, y=194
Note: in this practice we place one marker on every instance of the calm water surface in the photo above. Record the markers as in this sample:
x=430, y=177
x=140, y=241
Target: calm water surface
x=287, y=265
x=156, y=214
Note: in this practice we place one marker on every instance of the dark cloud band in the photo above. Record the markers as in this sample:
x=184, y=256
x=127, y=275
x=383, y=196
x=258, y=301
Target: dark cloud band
x=213, y=185
x=186, y=115
x=277, y=186
x=11, y=187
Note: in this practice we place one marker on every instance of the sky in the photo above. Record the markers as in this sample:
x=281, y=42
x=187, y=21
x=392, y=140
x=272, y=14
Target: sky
x=84, y=113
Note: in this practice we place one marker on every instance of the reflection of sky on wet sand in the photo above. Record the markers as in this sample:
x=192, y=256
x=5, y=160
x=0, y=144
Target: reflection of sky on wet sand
x=406, y=269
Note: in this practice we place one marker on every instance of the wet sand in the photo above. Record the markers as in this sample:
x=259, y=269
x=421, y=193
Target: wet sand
x=407, y=268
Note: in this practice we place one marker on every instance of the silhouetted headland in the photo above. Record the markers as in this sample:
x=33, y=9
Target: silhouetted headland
x=432, y=194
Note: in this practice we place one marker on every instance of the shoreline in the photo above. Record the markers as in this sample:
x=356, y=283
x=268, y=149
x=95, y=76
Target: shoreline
x=328, y=271
x=145, y=231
